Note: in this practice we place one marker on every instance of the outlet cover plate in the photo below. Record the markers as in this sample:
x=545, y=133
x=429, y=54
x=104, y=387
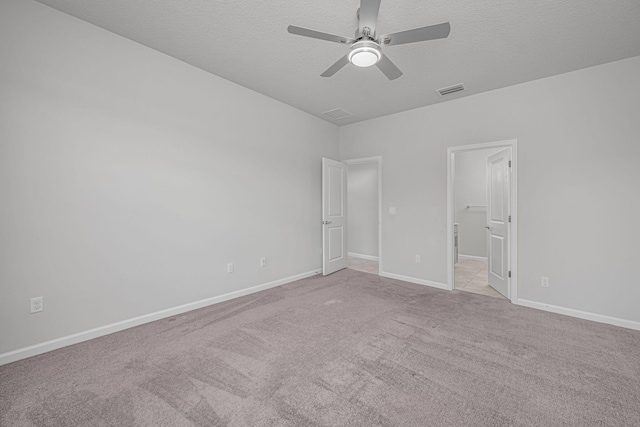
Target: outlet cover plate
x=37, y=304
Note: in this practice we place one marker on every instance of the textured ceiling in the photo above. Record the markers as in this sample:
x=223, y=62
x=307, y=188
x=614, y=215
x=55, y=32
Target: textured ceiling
x=493, y=43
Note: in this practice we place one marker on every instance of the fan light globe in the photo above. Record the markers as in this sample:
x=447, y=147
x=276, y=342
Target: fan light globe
x=364, y=54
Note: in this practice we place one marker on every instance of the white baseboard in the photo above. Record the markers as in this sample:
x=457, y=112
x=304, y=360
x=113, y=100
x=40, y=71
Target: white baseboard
x=415, y=280
x=369, y=257
x=630, y=324
x=479, y=258
x=33, y=350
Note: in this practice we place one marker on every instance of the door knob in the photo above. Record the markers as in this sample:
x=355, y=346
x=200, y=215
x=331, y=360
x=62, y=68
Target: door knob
x=326, y=222
x=487, y=227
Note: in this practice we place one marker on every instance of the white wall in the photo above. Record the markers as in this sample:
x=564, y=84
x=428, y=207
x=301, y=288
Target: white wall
x=578, y=200
x=470, y=187
x=128, y=179
x=362, y=209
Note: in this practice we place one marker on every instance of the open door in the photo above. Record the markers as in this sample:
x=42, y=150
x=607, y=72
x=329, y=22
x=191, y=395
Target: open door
x=334, y=216
x=499, y=218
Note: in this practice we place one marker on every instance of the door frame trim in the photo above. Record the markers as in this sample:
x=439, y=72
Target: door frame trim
x=513, y=231
x=377, y=160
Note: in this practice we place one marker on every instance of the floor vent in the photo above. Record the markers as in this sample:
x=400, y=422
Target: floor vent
x=338, y=114
x=451, y=89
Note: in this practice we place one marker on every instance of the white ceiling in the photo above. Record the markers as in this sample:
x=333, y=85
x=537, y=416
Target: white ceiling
x=493, y=44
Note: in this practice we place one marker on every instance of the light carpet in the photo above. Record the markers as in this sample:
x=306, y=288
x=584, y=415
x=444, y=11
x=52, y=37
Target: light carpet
x=350, y=349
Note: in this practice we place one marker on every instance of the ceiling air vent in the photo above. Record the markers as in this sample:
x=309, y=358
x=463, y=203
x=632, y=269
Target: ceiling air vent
x=337, y=114
x=451, y=89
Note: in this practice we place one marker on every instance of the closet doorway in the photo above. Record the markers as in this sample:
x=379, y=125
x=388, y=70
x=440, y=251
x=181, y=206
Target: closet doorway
x=481, y=219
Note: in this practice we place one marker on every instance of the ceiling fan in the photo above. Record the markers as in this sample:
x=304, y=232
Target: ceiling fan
x=366, y=47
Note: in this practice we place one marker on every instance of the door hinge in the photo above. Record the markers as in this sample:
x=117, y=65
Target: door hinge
x=509, y=163
x=509, y=273
x=509, y=218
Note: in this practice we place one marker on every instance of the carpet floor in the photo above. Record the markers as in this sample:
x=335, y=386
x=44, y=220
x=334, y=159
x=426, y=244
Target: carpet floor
x=350, y=349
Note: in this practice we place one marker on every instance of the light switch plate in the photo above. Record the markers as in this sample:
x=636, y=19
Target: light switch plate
x=392, y=211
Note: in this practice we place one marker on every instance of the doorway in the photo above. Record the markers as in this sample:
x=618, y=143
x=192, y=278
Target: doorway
x=482, y=219
x=364, y=201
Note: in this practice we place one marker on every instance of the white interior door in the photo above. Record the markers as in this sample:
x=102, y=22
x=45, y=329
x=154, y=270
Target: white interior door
x=498, y=219
x=334, y=216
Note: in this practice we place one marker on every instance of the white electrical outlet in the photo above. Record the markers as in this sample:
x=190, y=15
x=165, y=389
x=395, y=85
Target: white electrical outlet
x=544, y=282
x=417, y=258
x=392, y=211
x=37, y=304
x=230, y=267
x=263, y=262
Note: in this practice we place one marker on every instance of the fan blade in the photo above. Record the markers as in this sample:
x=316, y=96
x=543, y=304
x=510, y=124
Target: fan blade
x=336, y=67
x=319, y=35
x=432, y=32
x=388, y=68
x=368, y=14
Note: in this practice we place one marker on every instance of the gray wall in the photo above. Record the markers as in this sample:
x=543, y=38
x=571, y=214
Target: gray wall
x=362, y=210
x=578, y=178
x=128, y=179
x=471, y=189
